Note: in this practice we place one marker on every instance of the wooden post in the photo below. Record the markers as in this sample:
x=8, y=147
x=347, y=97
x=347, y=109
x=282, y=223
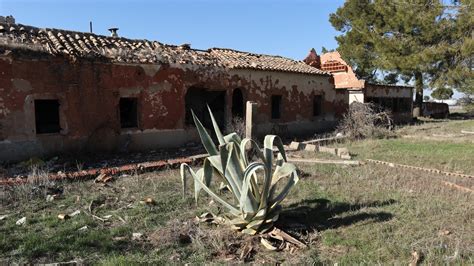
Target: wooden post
x=251, y=111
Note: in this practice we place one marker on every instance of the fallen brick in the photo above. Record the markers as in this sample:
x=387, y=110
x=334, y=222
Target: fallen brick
x=345, y=157
x=328, y=150
x=341, y=151
x=128, y=168
x=294, y=145
x=311, y=147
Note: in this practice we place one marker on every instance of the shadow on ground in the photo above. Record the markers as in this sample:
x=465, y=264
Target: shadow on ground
x=320, y=214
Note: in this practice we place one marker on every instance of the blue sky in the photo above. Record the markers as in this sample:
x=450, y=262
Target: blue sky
x=288, y=28
x=279, y=27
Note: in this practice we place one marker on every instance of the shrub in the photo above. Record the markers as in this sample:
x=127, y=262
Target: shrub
x=365, y=120
x=237, y=125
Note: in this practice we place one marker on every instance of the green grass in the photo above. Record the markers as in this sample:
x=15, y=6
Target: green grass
x=371, y=214
x=442, y=155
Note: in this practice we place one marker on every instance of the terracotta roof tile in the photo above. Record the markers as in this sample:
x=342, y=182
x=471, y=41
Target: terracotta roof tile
x=244, y=60
x=77, y=45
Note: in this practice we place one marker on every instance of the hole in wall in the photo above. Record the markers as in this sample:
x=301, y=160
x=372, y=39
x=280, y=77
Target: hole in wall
x=237, y=103
x=276, y=106
x=47, y=116
x=197, y=99
x=128, y=112
x=317, y=105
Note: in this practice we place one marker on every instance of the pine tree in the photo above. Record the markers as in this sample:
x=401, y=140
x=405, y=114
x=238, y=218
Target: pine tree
x=442, y=94
x=456, y=70
x=406, y=38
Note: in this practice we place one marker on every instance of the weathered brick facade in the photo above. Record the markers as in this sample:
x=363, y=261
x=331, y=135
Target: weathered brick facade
x=88, y=90
x=394, y=98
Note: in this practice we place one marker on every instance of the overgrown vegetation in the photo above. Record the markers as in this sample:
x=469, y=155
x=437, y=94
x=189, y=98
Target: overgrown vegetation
x=365, y=120
x=237, y=125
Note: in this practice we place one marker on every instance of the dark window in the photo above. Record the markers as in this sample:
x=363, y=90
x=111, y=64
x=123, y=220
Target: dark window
x=237, y=103
x=276, y=106
x=128, y=112
x=197, y=100
x=387, y=104
x=405, y=104
x=396, y=107
x=317, y=105
x=47, y=116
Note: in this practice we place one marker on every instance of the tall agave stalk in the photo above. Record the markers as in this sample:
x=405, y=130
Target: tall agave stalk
x=256, y=205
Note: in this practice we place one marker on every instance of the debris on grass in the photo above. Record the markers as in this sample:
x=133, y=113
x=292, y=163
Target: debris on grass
x=54, y=197
x=283, y=236
x=452, y=185
x=267, y=244
x=103, y=178
x=416, y=258
x=149, y=201
x=84, y=228
x=209, y=217
x=76, y=212
x=137, y=236
x=21, y=221
x=3, y=217
x=248, y=251
x=444, y=232
x=63, y=216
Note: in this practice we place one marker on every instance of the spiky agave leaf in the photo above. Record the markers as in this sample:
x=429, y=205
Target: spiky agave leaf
x=187, y=169
x=257, y=203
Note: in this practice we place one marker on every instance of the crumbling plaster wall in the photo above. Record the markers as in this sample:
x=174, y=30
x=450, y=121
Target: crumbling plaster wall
x=89, y=94
x=390, y=91
x=297, y=91
x=384, y=91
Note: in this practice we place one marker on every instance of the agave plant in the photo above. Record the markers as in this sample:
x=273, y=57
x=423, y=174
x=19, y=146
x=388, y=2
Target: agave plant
x=254, y=185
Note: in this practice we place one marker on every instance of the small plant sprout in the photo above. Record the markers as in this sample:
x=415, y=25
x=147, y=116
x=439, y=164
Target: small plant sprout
x=254, y=184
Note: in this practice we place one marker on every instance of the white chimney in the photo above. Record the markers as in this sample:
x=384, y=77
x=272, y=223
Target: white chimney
x=113, y=32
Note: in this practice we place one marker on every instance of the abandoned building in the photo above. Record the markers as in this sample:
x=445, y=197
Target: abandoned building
x=67, y=92
x=395, y=98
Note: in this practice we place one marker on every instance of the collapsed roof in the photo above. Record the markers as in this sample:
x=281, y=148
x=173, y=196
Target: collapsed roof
x=77, y=45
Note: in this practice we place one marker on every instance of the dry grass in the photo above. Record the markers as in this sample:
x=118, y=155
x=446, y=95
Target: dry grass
x=402, y=211
x=370, y=214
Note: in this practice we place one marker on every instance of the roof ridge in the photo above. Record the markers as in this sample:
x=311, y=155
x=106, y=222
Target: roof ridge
x=29, y=27
x=76, y=44
x=252, y=53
